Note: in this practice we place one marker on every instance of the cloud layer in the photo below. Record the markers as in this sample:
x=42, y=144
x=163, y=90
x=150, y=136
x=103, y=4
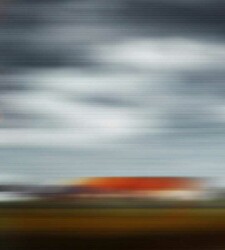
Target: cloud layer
x=98, y=87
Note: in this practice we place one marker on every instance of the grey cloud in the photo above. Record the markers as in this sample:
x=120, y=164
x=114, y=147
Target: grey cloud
x=100, y=87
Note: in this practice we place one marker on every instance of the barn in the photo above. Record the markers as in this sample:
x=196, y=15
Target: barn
x=181, y=188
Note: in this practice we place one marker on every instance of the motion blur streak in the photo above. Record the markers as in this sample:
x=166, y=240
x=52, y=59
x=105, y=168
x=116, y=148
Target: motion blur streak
x=107, y=108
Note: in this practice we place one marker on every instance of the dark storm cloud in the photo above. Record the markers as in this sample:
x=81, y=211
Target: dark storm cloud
x=33, y=54
x=28, y=38
x=192, y=14
x=60, y=33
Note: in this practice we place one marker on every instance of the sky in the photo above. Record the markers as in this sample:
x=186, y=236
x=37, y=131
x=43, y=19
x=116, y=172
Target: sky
x=112, y=88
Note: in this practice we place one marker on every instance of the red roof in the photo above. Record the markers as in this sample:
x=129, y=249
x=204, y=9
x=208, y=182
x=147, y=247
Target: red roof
x=141, y=183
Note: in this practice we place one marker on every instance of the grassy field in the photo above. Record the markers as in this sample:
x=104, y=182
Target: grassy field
x=68, y=226
x=105, y=221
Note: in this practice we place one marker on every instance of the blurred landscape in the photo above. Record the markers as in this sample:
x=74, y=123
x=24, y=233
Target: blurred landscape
x=114, y=212
x=112, y=124
x=131, y=190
